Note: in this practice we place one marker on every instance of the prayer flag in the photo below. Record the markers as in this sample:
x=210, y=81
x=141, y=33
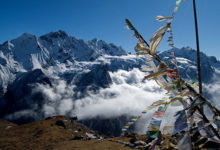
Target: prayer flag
x=156, y=122
x=152, y=134
x=123, y=130
x=134, y=119
x=159, y=113
x=153, y=128
x=176, y=9
x=162, y=18
x=156, y=39
x=181, y=122
x=178, y=2
x=161, y=108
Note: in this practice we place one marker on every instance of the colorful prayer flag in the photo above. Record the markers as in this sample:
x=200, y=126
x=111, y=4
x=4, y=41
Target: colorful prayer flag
x=152, y=134
x=153, y=128
x=159, y=113
x=134, y=119
x=123, y=130
x=139, y=116
x=156, y=122
x=161, y=108
x=176, y=9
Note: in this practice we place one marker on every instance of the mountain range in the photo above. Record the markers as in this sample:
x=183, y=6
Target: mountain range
x=100, y=83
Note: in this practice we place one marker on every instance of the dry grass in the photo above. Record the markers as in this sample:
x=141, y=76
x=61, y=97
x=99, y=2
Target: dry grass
x=45, y=135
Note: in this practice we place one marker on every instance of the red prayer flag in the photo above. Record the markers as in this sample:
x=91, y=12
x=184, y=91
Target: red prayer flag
x=173, y=73
x=159, y=113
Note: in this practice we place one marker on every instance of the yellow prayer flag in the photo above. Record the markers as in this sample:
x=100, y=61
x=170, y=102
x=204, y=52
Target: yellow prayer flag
x=176, y=9
x=134, y=119
x=193, y=86
x=153, y=128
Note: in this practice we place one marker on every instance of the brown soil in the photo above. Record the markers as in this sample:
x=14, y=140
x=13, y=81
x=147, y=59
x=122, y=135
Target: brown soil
x=47, y=135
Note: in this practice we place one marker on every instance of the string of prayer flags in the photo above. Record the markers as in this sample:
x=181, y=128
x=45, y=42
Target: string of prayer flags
x=155, y=121
x=170, y=38
x=178, y=88
x=154, y=127
x=178, y=2
x=134, y=119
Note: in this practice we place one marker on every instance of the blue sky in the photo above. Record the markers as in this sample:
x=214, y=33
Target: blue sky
x=104, y=19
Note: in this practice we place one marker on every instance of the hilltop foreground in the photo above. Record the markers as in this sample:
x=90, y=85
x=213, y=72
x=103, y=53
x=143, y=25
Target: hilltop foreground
x=57, y=133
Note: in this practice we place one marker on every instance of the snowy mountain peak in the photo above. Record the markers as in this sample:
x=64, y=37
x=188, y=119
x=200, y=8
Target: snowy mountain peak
x=58, y=34
x=26, y=36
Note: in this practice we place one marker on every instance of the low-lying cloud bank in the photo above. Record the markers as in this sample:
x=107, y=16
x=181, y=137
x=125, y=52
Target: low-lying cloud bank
x=126, y=96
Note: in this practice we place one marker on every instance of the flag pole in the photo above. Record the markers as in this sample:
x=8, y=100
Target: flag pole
x=198, y=50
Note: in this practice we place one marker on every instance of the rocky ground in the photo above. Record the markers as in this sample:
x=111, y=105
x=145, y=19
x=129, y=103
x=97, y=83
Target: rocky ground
x=59, y=133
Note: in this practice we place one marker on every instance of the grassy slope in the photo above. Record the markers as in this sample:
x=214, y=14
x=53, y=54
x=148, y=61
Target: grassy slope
x=45, y=135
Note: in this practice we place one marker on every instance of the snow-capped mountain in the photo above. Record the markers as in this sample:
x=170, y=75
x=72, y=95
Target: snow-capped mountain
x=99, y=82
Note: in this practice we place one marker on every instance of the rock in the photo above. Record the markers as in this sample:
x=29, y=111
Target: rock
x=140, y=143
x=133, y=140
x=74, y=118
x=61, y=123
x=89, y=135
x=77, y=138
x=8, y=127
x=129, y=144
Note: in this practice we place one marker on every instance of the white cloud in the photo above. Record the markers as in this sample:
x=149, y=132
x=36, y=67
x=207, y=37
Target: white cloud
x=127, y=96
